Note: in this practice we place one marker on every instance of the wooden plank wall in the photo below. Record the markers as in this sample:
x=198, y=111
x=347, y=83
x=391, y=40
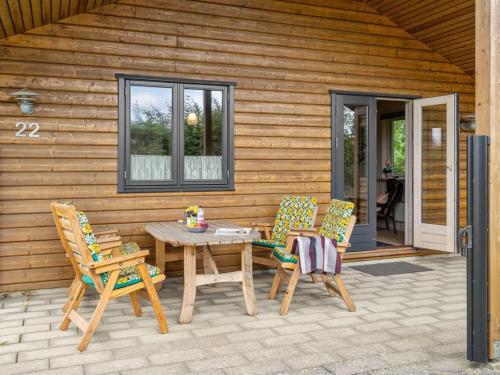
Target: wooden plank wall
x=284, y=56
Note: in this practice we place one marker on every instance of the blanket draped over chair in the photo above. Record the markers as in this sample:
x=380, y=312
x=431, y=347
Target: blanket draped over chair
x=317, y=253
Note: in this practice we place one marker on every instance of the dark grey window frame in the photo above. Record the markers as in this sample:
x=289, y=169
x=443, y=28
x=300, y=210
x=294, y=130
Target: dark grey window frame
x=178, y=183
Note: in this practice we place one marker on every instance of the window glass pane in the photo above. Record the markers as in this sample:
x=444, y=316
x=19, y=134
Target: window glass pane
x=203, y=135
x=399, y=146
x=151, y=124
x=355, y=159
x=434, y=170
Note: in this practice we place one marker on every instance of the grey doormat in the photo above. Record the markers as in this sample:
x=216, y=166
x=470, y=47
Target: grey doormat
x=393, y=268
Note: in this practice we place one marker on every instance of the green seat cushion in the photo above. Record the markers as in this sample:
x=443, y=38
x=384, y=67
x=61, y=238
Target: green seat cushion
x=266, y=243
x=128, y=276
x=284, y=256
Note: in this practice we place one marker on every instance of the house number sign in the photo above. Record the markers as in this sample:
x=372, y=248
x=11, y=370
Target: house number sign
x=27, y=130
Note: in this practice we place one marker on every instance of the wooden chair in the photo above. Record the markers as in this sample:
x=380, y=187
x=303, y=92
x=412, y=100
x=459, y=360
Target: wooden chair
x=110, y=274
x=294, y=212
x=337, y=224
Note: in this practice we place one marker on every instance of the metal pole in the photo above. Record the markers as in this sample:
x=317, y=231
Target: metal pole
x=476, y=248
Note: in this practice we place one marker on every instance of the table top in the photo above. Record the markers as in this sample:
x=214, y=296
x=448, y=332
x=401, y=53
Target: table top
x=176, y=234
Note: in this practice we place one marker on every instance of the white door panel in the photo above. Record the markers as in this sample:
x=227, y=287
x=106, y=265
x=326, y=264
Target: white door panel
x=434, y=179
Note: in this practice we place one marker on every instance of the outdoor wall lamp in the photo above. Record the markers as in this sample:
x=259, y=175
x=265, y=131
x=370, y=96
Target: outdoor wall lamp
x=468, y=123
x=26, y=100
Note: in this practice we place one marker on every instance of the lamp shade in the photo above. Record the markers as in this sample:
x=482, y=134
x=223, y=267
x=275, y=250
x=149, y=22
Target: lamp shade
x=192, y=119
x=26, y=100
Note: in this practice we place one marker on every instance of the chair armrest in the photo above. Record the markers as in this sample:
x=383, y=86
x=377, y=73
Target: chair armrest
x=119, y=262
x=342, y=247
x=343, y=244
x=263, y=227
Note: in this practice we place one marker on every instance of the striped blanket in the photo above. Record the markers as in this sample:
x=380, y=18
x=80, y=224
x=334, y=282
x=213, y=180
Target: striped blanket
x=317, y=254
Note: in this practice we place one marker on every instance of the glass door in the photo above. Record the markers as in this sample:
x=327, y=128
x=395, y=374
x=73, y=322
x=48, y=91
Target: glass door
x=434, y=179
x=354, y=161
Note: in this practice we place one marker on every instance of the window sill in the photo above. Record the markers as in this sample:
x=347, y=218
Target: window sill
x=174, y=189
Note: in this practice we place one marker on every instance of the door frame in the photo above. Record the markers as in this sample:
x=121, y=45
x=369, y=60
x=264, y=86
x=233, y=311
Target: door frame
x=408, y=99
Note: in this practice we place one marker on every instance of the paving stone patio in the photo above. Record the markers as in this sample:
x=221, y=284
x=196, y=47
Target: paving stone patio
x=405, y=324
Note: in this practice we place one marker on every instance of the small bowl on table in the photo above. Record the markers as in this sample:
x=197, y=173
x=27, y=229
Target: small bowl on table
x=197, y=229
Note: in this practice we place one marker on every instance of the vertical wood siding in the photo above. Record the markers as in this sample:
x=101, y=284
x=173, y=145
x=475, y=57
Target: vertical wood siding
x=284, y=55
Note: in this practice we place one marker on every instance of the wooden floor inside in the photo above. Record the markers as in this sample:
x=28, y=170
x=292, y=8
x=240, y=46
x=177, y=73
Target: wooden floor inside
x=389, y=253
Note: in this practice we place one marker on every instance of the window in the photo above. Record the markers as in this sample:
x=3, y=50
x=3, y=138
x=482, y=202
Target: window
x=175, y=135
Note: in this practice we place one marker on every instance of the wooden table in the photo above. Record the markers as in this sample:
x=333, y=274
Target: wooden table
x=176, y=234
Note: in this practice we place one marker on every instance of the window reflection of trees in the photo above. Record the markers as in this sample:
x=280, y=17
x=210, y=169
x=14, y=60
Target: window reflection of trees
x=205, y=138
x=151, y=128
x=349, y=139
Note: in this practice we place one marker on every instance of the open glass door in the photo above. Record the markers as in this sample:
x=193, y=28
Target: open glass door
x=354, y=158
x=435, y=140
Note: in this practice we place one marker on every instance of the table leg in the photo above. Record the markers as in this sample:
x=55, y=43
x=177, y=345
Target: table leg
x=189, y=294
x=247, y=280
x=160, y=260
x=209, y=265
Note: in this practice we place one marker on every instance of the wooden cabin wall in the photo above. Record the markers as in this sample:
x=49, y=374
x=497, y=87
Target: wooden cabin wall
x=285, y=57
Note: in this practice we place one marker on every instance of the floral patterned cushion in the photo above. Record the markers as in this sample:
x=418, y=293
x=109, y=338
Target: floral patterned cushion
x=88, y=235
x=128, y=276
x=336, y=219
x=294, y=212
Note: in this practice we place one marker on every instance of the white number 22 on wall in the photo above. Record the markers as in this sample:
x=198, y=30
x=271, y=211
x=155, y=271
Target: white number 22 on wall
x=33, y=127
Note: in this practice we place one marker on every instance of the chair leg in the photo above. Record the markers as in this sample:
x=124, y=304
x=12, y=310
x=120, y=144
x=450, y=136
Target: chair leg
x=344, y=293
x=330, y=291
x=386, y=223
x=276, y=285
x=153, y=297
x=290, y=289
x=71, y=293
x=99, y=311
x=136, y=304
x=313, y=278
x=77, y=295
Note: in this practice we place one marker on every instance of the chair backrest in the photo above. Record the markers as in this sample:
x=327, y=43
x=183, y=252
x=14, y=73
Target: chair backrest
x=78, y=240
x=390, y=185
x=337, y=219
x=294, y=212
x=394, y=198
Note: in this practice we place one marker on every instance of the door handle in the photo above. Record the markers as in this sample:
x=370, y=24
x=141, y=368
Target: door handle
x=464, y=240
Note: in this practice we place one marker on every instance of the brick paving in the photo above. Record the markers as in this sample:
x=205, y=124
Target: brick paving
x=405, y=324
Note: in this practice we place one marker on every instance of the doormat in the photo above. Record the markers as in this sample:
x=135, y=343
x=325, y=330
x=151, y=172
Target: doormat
x=388, y=269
